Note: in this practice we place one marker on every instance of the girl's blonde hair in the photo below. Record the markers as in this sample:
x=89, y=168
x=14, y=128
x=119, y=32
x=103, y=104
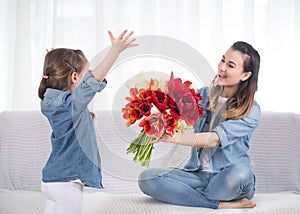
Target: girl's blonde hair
x=240, y=104
x=59, y=65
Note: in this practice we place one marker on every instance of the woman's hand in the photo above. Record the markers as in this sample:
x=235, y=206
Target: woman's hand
x=168, y=138
x=123, y=41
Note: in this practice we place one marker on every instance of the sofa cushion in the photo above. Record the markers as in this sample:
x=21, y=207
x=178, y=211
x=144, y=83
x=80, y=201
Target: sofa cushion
x=25, y=147
x=15, y=202
x=275, y=152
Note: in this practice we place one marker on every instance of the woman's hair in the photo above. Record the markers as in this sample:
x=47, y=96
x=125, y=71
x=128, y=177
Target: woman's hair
x=240, y=104
x=59, y=65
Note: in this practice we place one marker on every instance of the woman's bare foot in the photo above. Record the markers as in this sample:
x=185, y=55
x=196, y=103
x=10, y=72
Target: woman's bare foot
x=241, y=203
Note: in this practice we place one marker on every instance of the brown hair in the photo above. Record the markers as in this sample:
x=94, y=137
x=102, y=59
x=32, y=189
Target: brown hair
x=59, y=65
x=241, y=103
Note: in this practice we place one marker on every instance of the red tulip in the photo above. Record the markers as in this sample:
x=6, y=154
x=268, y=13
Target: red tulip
x=154, y=125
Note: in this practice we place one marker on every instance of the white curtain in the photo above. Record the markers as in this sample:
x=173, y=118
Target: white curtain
x=28, y=27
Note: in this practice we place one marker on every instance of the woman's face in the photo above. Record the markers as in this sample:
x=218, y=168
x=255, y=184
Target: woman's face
x=231, y=71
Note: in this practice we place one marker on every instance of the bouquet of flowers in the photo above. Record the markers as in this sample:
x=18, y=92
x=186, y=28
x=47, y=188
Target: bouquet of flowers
x=163, y=107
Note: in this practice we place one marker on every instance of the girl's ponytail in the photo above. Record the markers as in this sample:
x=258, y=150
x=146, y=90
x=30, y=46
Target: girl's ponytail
x=42, y=88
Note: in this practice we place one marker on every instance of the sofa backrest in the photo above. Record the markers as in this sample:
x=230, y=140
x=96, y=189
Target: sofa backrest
x=25, y=147
x=275, y=152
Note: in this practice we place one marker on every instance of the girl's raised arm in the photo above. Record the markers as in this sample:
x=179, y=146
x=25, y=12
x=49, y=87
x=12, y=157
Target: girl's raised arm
x=120, y=43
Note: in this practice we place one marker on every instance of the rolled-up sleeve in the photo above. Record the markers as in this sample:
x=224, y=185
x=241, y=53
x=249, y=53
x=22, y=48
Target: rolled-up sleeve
x=85, y=92
x=231, y=131
x=96, y=86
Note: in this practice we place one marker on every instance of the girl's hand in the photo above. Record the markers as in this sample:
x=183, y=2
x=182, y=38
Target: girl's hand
x=47, y=50
x=123, y=41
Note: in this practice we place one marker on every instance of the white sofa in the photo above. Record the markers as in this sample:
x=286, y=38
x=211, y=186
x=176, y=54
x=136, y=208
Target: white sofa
x=25, y=146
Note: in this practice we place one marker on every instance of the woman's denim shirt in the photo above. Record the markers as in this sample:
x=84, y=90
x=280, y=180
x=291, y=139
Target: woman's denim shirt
x=234, y=138
x=74, y=152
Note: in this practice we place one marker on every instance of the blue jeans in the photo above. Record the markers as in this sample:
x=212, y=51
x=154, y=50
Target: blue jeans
x=198, y=188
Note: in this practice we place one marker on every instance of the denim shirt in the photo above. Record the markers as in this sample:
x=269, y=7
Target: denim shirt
x=234, y=138
x=74, y=154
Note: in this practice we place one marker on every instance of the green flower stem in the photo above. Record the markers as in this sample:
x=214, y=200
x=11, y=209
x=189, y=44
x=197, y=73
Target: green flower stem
x=142, y=148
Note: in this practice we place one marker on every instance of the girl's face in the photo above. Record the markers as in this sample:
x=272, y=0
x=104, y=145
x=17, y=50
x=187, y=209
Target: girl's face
x=231, y=71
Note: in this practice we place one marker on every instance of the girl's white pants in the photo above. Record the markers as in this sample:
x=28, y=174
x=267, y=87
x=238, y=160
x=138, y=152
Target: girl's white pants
x=62, y=197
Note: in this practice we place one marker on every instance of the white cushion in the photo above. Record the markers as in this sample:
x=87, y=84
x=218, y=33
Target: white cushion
x=25, y=147
x=275, y=153
x=15, y=202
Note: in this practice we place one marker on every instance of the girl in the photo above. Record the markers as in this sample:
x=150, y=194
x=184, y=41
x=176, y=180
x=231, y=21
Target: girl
x=65, y=90
x=218, y=173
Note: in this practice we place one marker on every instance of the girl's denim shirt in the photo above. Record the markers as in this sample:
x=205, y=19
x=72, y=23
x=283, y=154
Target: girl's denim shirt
x=74, y=154
x=234, y=138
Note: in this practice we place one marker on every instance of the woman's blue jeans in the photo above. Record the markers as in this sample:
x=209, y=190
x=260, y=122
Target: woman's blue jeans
x=198, y=188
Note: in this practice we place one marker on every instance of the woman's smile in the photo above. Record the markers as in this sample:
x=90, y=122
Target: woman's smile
x=222, y=77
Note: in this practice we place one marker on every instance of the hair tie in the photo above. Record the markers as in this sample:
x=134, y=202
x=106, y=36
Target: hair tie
x=45, y=76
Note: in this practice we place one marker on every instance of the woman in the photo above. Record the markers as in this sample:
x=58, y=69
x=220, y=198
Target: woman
x=218, y=174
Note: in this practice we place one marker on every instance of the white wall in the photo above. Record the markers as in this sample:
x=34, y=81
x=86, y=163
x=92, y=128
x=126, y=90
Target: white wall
x=28, y=27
